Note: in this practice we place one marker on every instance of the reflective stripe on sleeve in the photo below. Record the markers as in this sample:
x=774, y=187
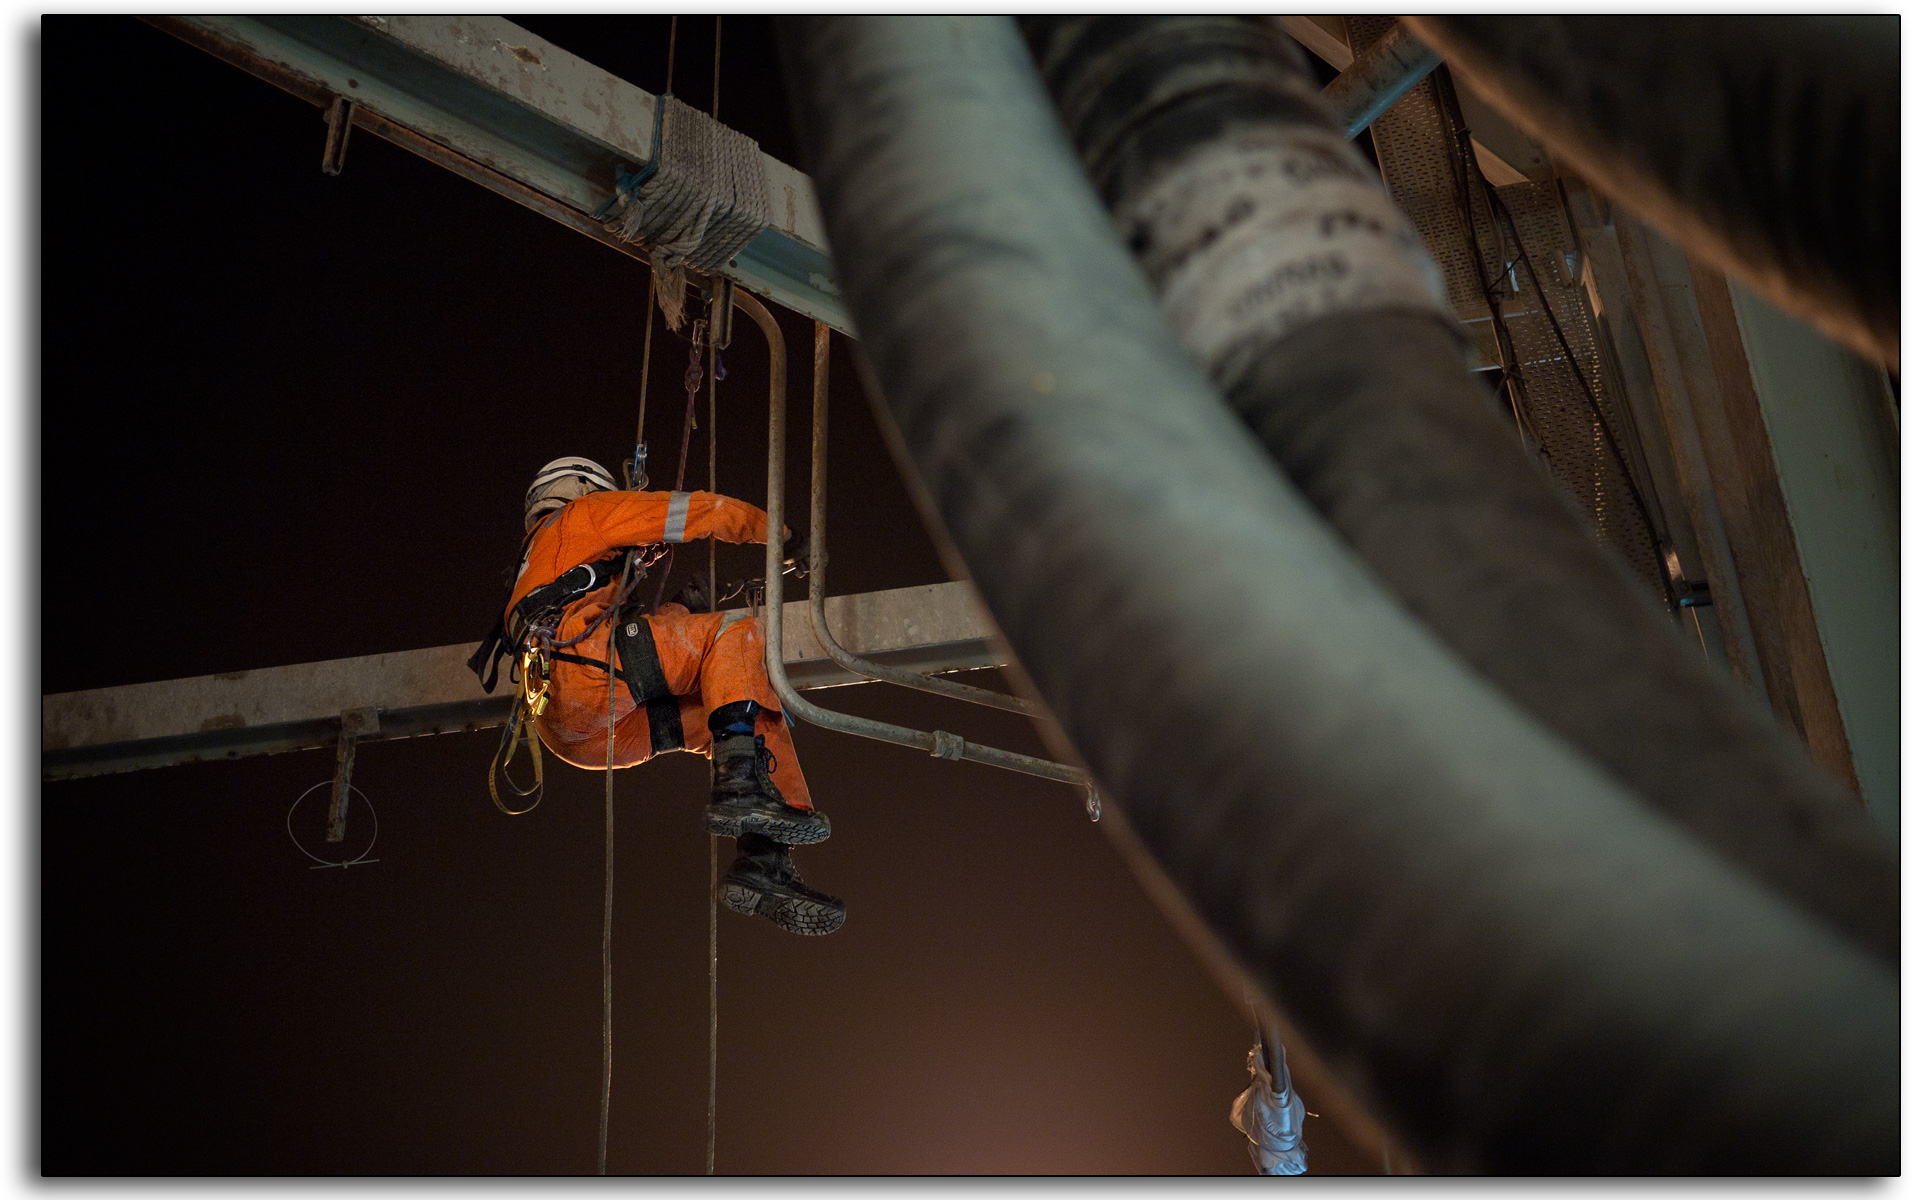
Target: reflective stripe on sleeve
x=677, y=516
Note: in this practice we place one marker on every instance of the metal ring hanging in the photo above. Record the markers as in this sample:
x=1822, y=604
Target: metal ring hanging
x=352, y=862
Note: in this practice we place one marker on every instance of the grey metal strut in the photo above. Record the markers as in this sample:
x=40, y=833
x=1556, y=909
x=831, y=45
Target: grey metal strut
x=817, y=570
x=938, y=743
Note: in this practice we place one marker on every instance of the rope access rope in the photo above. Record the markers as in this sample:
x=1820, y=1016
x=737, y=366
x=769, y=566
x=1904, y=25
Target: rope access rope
x=606, y=911
x=713, y=839
x=697, y=201
x=606, y=937
x=713, y=590
x=719, y=171
x=673, y=37
x=692, y=381
x=637, y=470
x=636, y=479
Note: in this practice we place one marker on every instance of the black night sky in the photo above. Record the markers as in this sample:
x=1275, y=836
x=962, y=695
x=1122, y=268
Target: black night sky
x=287, y=417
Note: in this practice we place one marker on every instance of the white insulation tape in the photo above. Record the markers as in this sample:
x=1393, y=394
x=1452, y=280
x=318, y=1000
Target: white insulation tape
x=1253, y=237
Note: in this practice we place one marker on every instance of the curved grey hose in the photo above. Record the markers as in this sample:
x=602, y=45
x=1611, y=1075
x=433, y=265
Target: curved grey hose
x=1507, y=957
x=1371, y=413
x=1767, y=145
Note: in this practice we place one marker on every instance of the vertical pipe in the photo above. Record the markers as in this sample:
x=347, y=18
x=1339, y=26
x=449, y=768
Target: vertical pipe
x=938, y=743
x=817, y=570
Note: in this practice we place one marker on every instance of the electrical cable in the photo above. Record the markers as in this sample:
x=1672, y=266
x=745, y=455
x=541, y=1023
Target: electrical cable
x=1586, y=388
x=1465, y=166
x=1513, y=383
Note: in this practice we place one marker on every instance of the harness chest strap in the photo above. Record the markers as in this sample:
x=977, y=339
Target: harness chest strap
x=510, y=628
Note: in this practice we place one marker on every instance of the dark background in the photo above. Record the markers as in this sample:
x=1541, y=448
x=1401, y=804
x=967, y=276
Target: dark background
x=288, y=417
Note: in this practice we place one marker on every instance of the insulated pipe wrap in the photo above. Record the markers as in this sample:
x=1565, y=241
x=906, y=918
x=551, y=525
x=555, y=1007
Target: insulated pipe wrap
x=1355, y=386
x=1514, y=963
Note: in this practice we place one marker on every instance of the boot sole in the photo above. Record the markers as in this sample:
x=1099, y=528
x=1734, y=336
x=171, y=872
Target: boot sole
x=809, y=918
x=785, y=830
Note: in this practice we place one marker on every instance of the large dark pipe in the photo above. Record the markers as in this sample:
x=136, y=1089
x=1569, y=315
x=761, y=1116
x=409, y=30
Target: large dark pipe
x=1359, y=393
x=1766, y=145
x=1503, y=954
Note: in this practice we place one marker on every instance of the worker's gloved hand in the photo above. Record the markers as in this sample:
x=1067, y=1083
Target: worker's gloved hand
x=693, y=595
x=793, y=553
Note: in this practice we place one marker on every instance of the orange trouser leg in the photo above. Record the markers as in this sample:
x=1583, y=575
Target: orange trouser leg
x=735, y=669
x=574, y=725
x=708, y=660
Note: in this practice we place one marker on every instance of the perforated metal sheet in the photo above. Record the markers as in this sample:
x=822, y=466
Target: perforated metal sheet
x=1410, y=140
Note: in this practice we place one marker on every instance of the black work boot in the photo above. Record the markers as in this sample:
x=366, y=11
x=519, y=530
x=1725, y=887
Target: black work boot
x=744, y=797
x=762, y=882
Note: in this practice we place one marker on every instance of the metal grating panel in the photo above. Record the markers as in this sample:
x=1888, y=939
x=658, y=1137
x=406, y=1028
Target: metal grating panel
x=1410, y=140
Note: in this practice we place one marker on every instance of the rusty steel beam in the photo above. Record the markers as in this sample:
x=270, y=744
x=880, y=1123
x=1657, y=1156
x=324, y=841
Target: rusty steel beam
x=514, y=113
x=930, y=628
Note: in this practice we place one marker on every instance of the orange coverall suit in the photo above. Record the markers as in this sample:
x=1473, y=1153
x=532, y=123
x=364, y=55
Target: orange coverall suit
x=708, y=659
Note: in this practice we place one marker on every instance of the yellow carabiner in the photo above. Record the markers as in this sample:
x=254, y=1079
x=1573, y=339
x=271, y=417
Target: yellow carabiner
x=536, y=697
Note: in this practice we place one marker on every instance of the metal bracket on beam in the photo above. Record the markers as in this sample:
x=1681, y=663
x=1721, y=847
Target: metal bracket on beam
x=719, y=290
x=339, y=124
x=355, y=723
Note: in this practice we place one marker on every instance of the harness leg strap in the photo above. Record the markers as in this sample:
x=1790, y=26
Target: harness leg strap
x=647, y=681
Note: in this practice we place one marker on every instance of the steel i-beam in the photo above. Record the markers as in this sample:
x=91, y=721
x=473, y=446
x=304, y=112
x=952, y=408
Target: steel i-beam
x=516, y=114
x=930, y=628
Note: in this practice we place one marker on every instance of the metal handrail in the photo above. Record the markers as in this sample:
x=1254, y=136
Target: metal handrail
x=817, y=571
x=938, y=743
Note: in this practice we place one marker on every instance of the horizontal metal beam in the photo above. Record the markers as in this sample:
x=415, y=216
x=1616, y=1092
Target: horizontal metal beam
x=516, y=114
x=931, y=628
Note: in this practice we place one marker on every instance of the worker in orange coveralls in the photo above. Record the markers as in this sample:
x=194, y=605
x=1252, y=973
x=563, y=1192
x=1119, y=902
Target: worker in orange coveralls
x=695, y=681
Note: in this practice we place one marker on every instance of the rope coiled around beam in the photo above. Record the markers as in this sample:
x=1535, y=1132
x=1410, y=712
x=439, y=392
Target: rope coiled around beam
x=698, y=203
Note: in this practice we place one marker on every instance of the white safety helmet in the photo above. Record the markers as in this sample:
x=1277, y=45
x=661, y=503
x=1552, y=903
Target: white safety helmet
x=562, y=480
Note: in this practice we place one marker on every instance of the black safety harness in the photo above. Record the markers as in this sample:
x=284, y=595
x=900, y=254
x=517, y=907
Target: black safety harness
x=509, y=632
x=632, y=643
